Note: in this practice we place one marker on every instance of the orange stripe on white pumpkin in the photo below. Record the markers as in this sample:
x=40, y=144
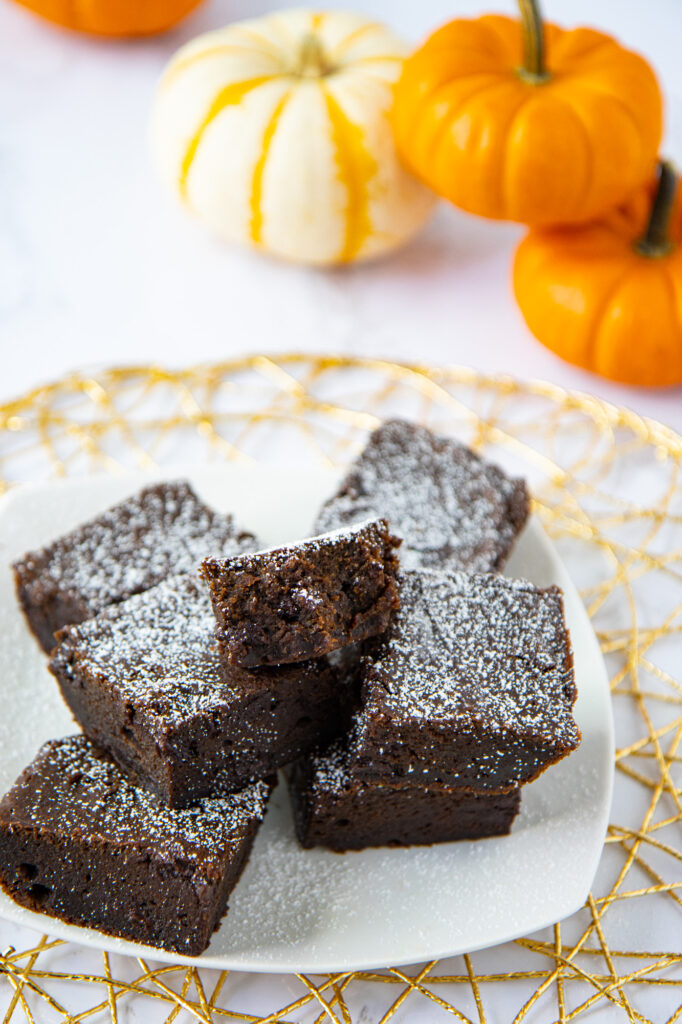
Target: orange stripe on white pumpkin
x=356, y=169
x=305, y=167
x=352, y=38
x=231, y=95
x=178, y=67
x=261, y=41
x=256, y=229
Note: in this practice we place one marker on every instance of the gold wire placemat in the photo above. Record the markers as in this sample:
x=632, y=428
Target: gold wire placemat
x=607, y=489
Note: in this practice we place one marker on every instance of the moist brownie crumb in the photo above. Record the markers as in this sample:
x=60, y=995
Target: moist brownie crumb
x=79, y=842
x=163, y=529
x=332, y=808
x=145, y=680
x=304, y=600
x=452, y=509
x=471, y=685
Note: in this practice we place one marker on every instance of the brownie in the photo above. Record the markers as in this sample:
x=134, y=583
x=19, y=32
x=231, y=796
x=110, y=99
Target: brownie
x=333, y=808
x=472, y=685
x=133, y=546
x=304, y=600
x=79, y=842
x=452, y=509
x=145, y=680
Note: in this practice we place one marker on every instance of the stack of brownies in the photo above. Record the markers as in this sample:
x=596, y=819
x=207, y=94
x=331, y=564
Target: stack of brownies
x=410, y=689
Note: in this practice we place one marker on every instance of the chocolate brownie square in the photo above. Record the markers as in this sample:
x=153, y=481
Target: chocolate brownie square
x=472, y=684
x=332, y=808
x=304, y=600
x=452, y=509
x=136, y=544
x=145, y=681
x=79, y=842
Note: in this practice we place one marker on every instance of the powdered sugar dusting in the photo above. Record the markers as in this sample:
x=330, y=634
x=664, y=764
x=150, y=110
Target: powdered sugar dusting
x=71, y=788
x=158, y=649
x=452, y=509
x=330, y=769
x=480, y=651
x=372, y=527
x=163, y=529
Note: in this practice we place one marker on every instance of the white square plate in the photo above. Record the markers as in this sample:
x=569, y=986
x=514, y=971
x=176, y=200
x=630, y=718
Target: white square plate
x=317, y=911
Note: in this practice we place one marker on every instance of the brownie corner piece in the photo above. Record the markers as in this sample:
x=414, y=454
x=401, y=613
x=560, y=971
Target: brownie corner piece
x=79, y=842
x=335, y=809
x=472, y=685
x=162, y=529
x=453, y=509
x=305, y=600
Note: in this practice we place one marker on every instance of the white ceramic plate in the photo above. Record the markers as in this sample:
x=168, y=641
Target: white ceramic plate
x=315, y=911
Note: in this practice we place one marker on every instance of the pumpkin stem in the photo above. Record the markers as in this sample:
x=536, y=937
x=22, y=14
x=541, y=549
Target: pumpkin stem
x=533, y=69
x=311, y=59
x=655, y=242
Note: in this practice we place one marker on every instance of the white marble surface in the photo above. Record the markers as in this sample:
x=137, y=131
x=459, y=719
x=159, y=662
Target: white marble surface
x=98, y=267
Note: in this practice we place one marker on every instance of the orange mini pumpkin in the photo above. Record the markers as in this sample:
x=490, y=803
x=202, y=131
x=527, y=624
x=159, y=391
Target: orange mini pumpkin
x=113, y=17
x=516, y=121
x=607, y=296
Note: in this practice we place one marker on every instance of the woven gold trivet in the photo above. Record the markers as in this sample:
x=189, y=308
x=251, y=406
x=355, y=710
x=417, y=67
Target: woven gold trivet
x=608, y=490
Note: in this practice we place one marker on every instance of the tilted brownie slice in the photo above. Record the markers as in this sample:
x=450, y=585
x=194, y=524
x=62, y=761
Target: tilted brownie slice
x=333, y=808
x=304, y=600
x=452, y=509
x=136, y=544
x=472, y=685
x=145, y=680
x=79, y=842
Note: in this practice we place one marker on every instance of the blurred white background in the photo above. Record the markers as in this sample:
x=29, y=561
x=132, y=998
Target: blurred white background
x=98, y=266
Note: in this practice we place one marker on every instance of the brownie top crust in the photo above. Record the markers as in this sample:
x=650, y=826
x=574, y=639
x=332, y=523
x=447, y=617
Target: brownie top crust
x=480, y=652
x=286, y=604
x=72, y=788
x=163, y=529
x=158, y=651
x=452, y=509
x=373, y=529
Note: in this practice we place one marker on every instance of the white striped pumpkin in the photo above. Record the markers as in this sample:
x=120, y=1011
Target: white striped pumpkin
x=276, y=132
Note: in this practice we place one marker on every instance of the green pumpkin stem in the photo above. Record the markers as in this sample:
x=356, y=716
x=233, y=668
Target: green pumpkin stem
x=533, y=69
x=656, y=242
